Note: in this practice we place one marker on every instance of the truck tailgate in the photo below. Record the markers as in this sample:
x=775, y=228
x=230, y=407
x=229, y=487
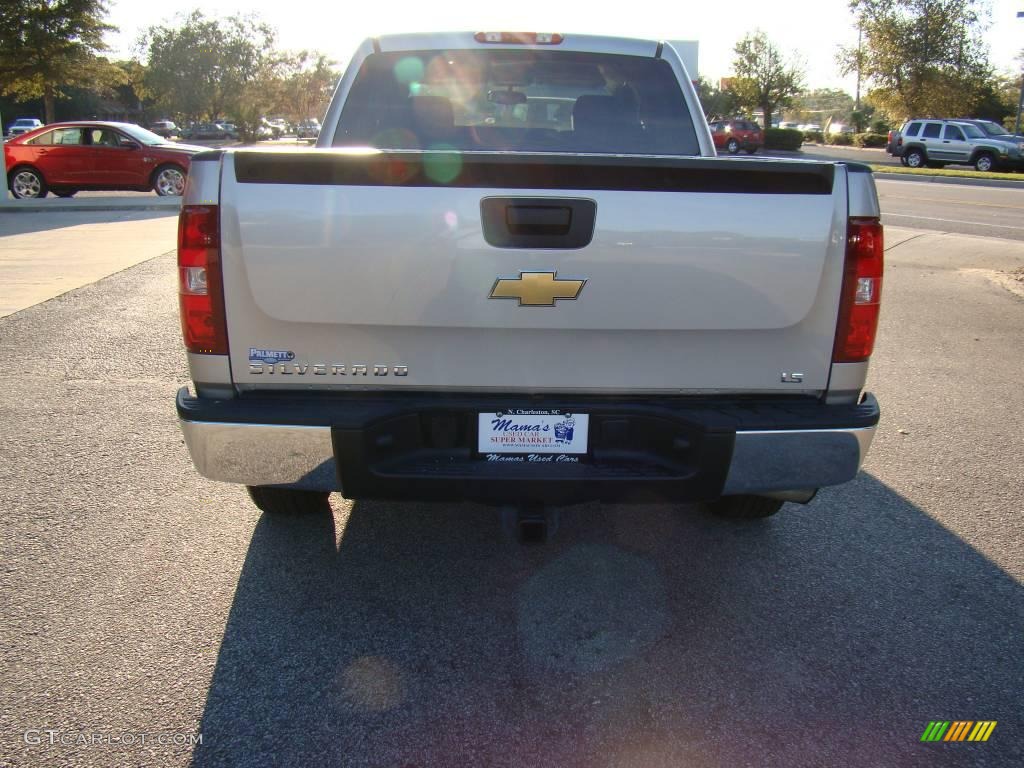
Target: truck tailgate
x=695, y=275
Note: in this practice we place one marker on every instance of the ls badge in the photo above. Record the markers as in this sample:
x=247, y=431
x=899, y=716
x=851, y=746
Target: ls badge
x=536, y=289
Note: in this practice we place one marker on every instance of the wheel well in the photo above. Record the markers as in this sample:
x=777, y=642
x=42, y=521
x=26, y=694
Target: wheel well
x=981, y=152
x=168, y=164
x=913, y=147
x=24, y=166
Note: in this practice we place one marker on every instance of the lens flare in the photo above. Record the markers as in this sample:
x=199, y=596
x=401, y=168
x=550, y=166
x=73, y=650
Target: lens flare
x=442, y=164
x=409, y=70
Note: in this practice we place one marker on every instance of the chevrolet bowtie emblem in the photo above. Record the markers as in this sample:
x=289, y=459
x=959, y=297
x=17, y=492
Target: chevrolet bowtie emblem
x=536, y=289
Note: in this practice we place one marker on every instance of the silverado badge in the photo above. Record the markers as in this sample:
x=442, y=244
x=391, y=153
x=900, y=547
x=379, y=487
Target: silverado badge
x=536, y=289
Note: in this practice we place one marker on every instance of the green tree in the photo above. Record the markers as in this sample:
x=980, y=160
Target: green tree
x=997, y=99
x=132, y=93
x=204, y=67
x=764, y=79
x=823, y=104
x=260, y=96
x=716, y=102
x=47, y=46
x=921, y=58
x=308, y=79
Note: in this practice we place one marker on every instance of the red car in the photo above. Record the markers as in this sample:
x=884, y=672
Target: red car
x=67, y=157
x=734, y=135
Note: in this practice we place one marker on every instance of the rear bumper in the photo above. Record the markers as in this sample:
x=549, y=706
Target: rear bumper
x=422, y=446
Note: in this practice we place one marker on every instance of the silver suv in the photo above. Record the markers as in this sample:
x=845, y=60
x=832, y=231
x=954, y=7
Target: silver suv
x=23, y=125
x=934, y=143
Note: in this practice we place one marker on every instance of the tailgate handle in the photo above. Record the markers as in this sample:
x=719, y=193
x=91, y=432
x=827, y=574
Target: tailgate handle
x=538, y=222
x=538, y=219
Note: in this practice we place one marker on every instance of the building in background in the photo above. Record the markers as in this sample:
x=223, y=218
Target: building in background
x=688, y=50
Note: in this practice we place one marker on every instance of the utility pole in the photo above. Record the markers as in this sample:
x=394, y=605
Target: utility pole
x=860, y=35
x=1020, y=101
x=3, y=167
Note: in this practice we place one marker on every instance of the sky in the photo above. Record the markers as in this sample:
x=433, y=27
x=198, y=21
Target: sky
x=811, y=31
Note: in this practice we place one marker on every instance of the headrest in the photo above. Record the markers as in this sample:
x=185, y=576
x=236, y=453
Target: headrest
x=433, y=115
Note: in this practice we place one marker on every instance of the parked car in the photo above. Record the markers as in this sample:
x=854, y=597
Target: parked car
x=278, y=126
x=992, y=129
x=23, y=125
x=809, y=128
x=164, y=128
x=734, y=135
x=231, y=128
x=308, y=129
x=788, y=125
x=935, y=143
x=264, y=130
x=206, y=132
x=67, y=157
x=892, y=142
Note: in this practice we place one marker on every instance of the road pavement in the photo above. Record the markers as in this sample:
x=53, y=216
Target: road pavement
x=141, y=602
x=974, y=210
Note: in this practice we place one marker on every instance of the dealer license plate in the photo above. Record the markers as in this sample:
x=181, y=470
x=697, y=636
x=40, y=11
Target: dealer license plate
x=528, y=431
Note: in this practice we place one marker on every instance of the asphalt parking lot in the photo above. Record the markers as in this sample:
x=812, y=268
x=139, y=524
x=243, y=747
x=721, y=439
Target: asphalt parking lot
x=142, y=604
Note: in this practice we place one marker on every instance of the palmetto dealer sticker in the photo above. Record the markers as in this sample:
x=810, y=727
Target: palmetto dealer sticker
x=270, y=356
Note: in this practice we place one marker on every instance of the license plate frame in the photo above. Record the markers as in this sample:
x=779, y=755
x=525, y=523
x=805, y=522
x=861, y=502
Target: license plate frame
x=533, y=431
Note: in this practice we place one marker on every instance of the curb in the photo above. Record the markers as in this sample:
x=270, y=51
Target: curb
x=86, y=206
x=961, y=180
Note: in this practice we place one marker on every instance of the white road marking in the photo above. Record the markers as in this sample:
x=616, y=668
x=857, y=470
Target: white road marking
x=950, y=221
x=945, y=200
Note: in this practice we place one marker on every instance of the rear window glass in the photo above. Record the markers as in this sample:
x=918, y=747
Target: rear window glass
x=59, y=136
x=517, y=100
x=912, y=129
x=931, y=130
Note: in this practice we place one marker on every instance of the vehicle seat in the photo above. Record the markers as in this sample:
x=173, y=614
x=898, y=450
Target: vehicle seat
x=605, y=123
x=434, y=119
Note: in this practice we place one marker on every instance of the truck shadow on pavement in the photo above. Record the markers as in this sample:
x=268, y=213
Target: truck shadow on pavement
x=23, y=222
x=420, y=635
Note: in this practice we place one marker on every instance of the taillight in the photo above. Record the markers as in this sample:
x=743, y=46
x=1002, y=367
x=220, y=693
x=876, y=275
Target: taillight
x=200, y=288
x=862, y=291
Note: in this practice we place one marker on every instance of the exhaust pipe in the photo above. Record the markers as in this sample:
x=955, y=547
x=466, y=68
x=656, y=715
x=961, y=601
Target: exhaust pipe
x=797, y=497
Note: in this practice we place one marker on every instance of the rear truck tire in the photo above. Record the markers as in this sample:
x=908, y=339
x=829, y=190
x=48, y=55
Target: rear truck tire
x=27, y=183
x=914, y=158
x=903, y=161
x=984, y=162
x=732, y=146
x=65, y=192
x=745, y=507
x=288, y=501
x=169, y=180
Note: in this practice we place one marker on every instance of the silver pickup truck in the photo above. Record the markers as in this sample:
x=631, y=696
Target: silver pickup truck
x=513, y=270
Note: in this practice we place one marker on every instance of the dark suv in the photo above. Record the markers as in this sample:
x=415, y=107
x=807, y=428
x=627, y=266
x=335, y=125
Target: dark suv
x=734, y=135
